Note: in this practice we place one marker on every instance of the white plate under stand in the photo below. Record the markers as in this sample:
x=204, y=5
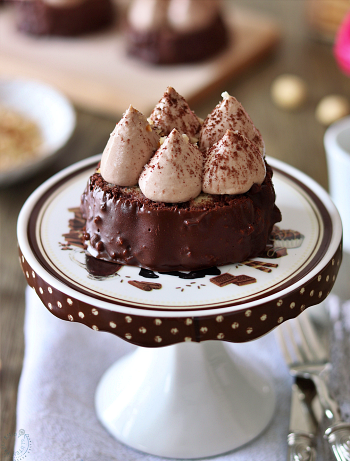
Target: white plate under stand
x=185, y=401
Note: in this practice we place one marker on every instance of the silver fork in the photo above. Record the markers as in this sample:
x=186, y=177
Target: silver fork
x=307, y=358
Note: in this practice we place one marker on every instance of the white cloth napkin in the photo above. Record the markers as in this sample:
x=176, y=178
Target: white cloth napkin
x=64, y=361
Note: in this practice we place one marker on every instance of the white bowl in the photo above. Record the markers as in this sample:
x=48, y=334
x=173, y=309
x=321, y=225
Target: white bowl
x=337, y=146
x=50, y=110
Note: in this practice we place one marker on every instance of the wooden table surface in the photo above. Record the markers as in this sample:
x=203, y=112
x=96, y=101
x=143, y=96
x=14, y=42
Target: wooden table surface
x=293, y=137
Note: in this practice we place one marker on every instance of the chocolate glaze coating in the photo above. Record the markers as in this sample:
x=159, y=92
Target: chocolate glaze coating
x=39, y=18
x=166, y=46
x=125, y=227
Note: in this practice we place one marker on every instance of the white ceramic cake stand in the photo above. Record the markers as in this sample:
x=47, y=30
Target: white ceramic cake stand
x=194, y=398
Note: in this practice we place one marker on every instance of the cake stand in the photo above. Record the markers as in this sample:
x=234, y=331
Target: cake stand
x=195, y=398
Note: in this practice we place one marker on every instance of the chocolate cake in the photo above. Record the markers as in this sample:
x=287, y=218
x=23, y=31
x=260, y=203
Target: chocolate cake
x=159, y=202
x=63, y=17
x=175, y=31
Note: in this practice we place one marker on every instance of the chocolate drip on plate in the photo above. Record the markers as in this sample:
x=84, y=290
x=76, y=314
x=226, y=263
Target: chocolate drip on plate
x=100, y=268
x=199, y=274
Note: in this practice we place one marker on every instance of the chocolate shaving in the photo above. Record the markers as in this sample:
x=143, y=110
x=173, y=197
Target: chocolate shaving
x=261, y=266
x=77, y=223
x=268, y=264
x=145, y=286
x=76, y=229
x=75, y=210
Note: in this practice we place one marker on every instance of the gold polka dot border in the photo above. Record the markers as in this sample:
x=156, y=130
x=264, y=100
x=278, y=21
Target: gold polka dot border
x=238, y=326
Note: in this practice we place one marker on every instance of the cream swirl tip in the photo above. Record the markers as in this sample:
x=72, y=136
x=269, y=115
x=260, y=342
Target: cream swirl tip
x=174, y=173
x=173, y=111
x=229, y=114
x=233, y=165
x=131, y=144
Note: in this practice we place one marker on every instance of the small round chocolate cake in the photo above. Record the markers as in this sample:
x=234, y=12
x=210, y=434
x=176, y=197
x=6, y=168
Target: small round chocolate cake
x=175, y=32
x=63, y=17
x=160, y=202
x=125, y=227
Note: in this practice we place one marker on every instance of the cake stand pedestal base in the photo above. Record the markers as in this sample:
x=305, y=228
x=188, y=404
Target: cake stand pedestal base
x=188, y=400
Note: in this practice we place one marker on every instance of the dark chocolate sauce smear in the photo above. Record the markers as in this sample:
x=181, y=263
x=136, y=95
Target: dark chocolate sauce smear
x=148, y=274
x=100, y=268
x=199, y=274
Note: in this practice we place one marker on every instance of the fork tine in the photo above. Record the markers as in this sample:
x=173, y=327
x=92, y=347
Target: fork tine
x=311, y=337
x=304, y=346
x=288, y=344
x=299, y=342
x=297, y=348
x=282, y=342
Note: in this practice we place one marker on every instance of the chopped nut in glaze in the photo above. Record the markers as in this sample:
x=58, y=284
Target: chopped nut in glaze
x=174, y=173
x=172, y=111
x=131, y=144
x=233, y=165
x=229, y=114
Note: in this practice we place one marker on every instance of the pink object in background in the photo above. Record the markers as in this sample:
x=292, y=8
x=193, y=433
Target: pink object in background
x=342, y=45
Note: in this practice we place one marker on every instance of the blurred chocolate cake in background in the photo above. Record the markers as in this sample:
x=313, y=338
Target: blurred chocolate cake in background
x=175, y=31
x=63, y=17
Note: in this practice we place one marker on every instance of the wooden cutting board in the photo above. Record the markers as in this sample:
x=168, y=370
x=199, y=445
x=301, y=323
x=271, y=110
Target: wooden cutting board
x=95, y=73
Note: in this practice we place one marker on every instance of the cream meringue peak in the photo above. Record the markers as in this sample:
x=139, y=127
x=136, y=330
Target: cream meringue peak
x=229, y=114
x=172, y=111
x=146, y=15
x=185, y=15
x=63, y=3
x=174, y=173
x=180, y=15
x=131, y=144
x=233, y=165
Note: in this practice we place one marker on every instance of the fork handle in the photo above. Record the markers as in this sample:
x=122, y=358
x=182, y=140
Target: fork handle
x=300, y=447
x=338, y=436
